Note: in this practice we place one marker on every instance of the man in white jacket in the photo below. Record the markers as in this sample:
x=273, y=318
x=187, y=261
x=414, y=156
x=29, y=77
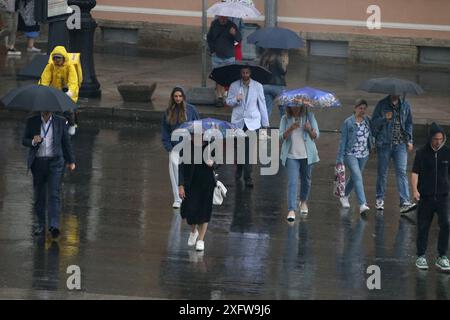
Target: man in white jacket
x=10, y=19
x=246, y=97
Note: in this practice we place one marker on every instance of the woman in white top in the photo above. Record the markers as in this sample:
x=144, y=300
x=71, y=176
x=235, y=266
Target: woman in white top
x=298, y=130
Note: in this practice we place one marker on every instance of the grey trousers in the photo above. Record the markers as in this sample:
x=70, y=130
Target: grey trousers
x=10, y=21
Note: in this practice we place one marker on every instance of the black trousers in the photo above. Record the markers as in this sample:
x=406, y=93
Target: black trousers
x=47, y=178
x=425, y=213
x=247, y=167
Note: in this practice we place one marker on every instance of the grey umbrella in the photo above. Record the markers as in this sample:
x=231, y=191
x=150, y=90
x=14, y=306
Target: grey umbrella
x=391, y=86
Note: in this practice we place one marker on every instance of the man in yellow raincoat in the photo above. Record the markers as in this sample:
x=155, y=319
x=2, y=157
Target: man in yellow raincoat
x=61, y=74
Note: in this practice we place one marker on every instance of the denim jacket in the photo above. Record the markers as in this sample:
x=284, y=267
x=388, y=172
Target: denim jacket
x=167, y=129
x=311, y=149
x=382, y=128
x=348, y=137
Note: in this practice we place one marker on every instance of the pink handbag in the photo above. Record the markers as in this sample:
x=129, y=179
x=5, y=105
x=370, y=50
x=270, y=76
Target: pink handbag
x=339, y=180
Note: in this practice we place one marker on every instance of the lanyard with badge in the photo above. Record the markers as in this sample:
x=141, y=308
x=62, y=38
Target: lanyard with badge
x=46, y=130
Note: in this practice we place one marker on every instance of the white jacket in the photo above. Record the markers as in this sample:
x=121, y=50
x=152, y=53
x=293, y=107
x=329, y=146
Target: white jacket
x=253, y=112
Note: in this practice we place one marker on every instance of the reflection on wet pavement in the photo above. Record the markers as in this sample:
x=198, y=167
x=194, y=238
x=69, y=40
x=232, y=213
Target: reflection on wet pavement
x=119, y=227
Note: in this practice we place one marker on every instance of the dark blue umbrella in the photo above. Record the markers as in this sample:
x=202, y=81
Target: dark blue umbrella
x=226, y=128
x=310, y=97
x=275, y=38
x=38, y=98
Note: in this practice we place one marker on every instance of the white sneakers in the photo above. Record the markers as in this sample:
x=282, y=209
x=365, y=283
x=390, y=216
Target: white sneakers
x=379, y=205
x=363, y=208
x=344, y=202
x=200, y=246
x=176, y=204
x=72, y=130
x=303, y=208
x=34, y=49
x=192, y=238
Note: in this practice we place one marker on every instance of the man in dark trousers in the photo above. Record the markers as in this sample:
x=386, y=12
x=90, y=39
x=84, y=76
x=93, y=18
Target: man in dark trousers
x=430, y=184
x=48, y=139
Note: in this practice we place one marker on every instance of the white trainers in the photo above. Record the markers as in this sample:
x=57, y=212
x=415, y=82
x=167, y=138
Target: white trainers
x=192, y=238
x=304, y=208
x=200, y=246
x=14, y=52
x=421, y=263
x=363, y=208
x=407, y=207
x=34, y=49
x=176, y=204
x=72, y=130
x=379, y=205
x=291, y=216
x=344, y=202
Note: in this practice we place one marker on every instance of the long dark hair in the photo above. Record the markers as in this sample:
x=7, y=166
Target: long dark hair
x=176, y=113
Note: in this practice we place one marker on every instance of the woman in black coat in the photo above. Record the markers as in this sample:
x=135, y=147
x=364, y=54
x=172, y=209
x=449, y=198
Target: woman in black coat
x=196, y=188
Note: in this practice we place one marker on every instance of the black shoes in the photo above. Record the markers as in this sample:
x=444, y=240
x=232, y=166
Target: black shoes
x=249, y=183
x=54, y=232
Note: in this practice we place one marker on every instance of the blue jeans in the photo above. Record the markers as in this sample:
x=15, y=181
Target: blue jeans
x=295, y=168
x=217, y=61
x=270, y=93
x=47, y=178
x=356, y=167
x=400, y=156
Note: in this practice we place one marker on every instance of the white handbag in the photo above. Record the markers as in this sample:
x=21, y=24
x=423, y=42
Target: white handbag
x=220, y=192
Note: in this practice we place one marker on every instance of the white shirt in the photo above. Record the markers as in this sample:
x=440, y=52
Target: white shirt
x=251, y=112
x=46, y=147
x=298, y=148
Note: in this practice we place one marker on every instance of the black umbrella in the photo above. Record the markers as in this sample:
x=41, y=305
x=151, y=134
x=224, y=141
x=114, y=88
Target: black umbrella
x=275, y=38
x=227, y=74
x=392, y=86
x=38, y=98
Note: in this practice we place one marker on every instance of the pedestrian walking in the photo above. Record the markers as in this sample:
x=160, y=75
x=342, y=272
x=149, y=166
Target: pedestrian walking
x=430, y=185
x=392, y=126
x=196, y=189
x=28, y=25
x=178, y=112
x=246, y=97
x=10, y=18
x=354, y=149
x=276, y=61
x=298, y=132
x=61, y=74
x=221, y=38
x=49, y=145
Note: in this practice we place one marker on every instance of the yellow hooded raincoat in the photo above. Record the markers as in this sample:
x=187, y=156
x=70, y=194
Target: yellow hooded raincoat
x=63, y=76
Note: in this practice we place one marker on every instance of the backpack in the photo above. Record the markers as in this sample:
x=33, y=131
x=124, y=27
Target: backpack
x=75, y=60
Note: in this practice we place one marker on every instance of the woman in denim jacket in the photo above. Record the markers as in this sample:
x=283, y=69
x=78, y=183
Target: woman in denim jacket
x=354, y=149
x=298, y=131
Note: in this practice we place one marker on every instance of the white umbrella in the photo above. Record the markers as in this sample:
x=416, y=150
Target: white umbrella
x=235, y=9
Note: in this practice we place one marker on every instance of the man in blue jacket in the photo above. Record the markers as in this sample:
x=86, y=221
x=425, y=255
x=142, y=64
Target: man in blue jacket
x=48, y=140
x=430, y=185
x=393, y=132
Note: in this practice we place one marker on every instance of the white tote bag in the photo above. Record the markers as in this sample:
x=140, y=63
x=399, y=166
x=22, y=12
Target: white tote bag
x=220, y=192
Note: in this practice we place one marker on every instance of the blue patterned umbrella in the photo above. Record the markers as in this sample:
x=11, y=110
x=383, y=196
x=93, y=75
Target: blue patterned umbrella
x=226, y=128
x=310, y=97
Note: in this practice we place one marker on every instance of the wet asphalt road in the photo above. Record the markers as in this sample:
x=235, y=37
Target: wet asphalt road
x=119, y=228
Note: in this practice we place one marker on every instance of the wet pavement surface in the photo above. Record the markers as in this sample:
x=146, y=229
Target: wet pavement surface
x=119, y=228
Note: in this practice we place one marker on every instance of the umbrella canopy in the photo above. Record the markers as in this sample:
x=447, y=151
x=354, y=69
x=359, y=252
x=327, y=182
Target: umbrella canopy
x=38, y=98
x=310, y=97
x=392, y=86
x=275, y=38
x=235, y=9
x=226, y=128
x=227, y=74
